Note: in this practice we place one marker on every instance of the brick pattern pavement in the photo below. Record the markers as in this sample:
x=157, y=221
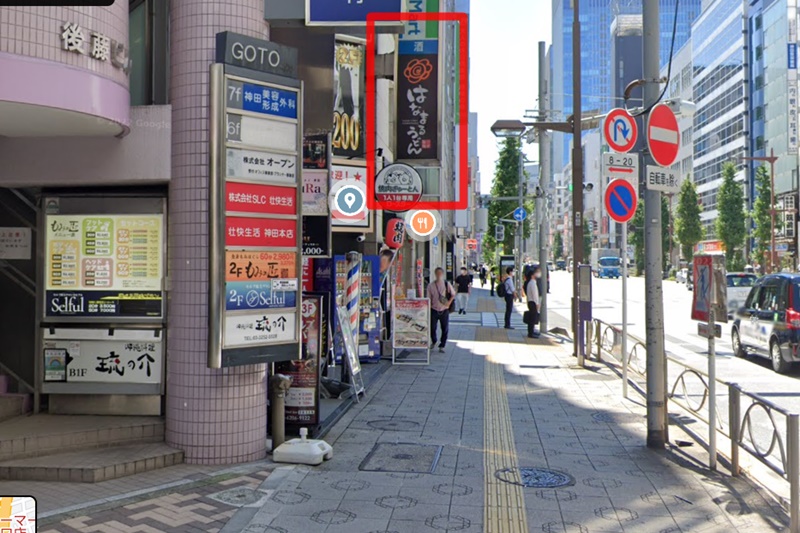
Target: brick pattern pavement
x=182, y=511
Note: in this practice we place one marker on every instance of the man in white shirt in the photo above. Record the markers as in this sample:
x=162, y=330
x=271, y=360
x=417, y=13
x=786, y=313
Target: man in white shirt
x=511, y=295
x=534, y=300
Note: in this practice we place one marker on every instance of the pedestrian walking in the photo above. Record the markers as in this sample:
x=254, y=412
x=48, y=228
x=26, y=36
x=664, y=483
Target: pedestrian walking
x=463, y=290
x=510, y=295
x=534, y=300
x=493, y=280
x=482, y=275
x=441, y=296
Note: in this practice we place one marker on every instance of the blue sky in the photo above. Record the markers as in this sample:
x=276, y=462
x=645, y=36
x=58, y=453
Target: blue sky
x=504, y=68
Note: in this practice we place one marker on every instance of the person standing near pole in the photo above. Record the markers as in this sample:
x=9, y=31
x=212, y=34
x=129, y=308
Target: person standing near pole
x=463, y=289
x=534, y=300
x=510, y=295
x=441, y=296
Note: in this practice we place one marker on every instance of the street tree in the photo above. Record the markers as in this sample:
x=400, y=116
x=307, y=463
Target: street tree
x=587, y=241
x=636, y=235
x=689, y=230
x=558, y=246
x=762, y=219
x=730, y=225
x=506, y=184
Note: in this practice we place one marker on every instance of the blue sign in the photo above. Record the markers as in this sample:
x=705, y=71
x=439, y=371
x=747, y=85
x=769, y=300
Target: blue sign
x=347, y=12
x=792, y=56
x=269, y=101
x=424, y=47
x=621, y=200
x=246, y=295
x=520, y=214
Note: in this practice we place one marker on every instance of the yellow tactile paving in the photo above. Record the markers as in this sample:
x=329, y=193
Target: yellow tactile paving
x=504, y=505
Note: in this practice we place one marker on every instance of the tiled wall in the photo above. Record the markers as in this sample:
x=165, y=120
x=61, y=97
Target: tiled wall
x=36, y=32
x=215, y=416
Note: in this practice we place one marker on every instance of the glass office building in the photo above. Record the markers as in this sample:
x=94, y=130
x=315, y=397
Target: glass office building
x=596, y=63
x=718, y=59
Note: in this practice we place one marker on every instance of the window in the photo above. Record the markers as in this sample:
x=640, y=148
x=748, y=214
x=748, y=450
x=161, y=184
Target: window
x=768, y=298
x=760, y=113
x=758, y=22
x=759, y=81
x=759, y=143
x=149, y=52
x=759, y=52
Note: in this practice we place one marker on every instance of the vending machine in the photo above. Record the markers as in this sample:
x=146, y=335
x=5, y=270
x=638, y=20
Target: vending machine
x=370, y=314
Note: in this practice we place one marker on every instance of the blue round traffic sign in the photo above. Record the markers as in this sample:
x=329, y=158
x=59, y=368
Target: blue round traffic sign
x=621, y=200
x=520, y=214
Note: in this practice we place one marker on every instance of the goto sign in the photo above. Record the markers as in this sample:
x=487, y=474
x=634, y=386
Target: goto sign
x=423, y=224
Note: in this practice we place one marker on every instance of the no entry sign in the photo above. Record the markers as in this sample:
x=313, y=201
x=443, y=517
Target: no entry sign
x=621, y=200
x=620, y=130
x=663, y=136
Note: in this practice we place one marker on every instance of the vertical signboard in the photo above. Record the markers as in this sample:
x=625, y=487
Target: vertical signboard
x=316, y=213
x=255, y=207
x=349, y=86
x=418, y=86
x=791, y=78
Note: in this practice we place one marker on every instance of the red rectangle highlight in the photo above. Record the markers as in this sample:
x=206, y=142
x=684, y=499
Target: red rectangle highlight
x=260, y=199
x=463, y=129
x=262, y=232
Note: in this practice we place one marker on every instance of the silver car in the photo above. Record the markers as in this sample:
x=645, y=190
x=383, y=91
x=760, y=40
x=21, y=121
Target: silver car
x=739, y=285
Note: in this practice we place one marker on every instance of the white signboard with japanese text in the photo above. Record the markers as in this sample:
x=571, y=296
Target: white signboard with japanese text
x=262, y=132
x=259, y=166
x=791, y=91
x=95, y=356
x=315, y=192
x=662, y=179
x=15, y=243
x=255, y=329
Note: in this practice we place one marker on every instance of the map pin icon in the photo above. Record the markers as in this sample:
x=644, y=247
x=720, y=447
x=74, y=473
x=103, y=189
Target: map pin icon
x=350, y=199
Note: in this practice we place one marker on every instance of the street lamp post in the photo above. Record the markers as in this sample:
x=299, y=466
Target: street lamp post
x=771, y=159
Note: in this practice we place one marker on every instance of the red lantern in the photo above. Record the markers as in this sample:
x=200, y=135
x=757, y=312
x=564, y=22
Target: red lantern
x=395, y=233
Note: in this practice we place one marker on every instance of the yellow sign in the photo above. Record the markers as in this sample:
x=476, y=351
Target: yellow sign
x=104, y=252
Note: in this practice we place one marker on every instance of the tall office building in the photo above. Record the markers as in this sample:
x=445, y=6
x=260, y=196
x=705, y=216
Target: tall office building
x=596, y=58
x=719, y=82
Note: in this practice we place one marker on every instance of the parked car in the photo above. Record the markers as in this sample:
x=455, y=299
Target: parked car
x=681, y=275
x=768, y=323
x=739, y=285
x=561, y=264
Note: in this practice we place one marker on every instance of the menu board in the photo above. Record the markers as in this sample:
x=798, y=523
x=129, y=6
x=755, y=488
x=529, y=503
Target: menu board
x=104, y=265
x=411, y=323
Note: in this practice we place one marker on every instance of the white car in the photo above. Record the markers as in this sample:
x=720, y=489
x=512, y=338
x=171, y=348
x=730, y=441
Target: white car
x=681, y=275
x=739, y=285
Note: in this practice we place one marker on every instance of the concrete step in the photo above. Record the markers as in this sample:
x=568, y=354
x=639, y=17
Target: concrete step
x=92, y=466
x=37, y=435
x=14, y=405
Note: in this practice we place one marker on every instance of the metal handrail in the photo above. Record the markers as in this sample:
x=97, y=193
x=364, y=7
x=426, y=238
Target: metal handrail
x=740, y=427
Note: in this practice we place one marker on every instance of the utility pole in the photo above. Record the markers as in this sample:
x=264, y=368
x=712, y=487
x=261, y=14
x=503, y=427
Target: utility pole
x=654, y=254
x=577, y=178
x=518, y=274
x=544, y=186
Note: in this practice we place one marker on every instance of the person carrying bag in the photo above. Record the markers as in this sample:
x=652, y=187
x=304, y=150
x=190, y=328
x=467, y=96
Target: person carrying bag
x=442, y=297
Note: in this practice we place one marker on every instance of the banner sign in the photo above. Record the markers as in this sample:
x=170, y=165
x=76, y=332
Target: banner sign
x=302, y=399
x=315, y=151
x=418, y=107
x=349, y=86
x=791, y=77
x=127, y=357
x=411, y=324
x=315, y=192
x=316, y=237
x=253, y=165
x=257, y=207
x=260, y=232
x=103, y=304
x=256, y=329
x=710, y=288
x=347, y=12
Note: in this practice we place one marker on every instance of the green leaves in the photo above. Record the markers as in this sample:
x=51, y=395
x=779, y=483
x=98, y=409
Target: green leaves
x=688, y=228
x=731, y=219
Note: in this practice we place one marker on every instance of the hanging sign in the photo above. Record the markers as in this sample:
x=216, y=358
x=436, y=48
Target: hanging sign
x=349, y=86
x=398, y=187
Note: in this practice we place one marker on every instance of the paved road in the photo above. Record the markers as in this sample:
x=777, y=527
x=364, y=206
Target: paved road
x=754, y=373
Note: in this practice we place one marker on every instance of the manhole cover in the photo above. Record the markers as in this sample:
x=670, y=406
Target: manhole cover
x=399, y=457
x=239, y=497
x=541, y=478
x=393, y=425
x=617, y=418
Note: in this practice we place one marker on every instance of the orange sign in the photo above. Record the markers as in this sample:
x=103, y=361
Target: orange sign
x=472, y=244
x=260, y=266
x=423, y=223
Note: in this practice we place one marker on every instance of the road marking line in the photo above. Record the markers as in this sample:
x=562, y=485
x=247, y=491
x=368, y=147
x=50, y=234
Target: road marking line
x=504, y=503
x=663, y=135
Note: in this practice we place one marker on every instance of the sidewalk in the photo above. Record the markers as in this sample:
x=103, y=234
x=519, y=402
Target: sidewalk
x=477, y=441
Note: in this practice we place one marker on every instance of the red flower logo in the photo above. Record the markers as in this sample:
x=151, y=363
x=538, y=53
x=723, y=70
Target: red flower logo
x=418, y=70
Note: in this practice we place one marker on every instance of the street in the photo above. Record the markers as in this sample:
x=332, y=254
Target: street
x=753, y=374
